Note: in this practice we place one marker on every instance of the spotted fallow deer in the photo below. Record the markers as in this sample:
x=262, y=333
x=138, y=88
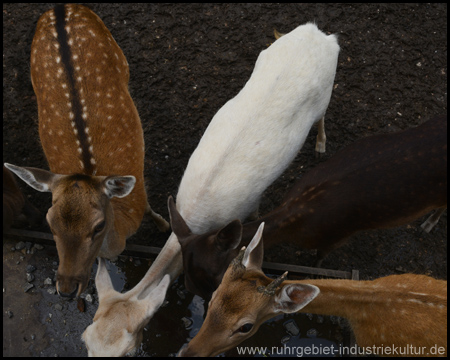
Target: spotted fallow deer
x=93, y=141
x=251, y=140
x=394, y=315
x=377, y=182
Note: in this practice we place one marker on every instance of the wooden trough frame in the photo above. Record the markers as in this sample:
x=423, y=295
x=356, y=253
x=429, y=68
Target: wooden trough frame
x=151, y=251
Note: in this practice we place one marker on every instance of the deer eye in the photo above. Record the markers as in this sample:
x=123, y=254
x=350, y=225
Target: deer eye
x=245, y=328
x=98, y=228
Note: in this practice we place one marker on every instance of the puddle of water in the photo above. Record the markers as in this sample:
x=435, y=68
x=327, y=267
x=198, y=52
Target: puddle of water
x=45, y=324
x=182, y=315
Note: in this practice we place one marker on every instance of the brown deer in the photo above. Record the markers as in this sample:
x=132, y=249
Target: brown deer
x=93, y=141
x=394, y=315
x=381, y=181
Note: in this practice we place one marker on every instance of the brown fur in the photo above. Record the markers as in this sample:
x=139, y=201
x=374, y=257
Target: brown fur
x=378, y=182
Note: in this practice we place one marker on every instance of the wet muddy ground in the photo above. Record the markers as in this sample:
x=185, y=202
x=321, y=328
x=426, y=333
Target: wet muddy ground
x=186, y=61
x=40, y=323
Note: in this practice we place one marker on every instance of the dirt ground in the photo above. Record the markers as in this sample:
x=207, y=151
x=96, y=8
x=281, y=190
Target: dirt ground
x=187, y=60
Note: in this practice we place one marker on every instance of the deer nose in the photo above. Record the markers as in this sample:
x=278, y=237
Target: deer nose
x=68, y=295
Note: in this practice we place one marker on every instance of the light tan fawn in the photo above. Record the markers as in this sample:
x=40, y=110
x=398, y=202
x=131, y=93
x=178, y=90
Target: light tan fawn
x=93, y=141
x=394, y=315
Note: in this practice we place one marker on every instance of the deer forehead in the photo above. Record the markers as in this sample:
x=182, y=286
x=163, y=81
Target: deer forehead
x=110, y=341
x=232, y=297
x=76, y=201
x=129, y=313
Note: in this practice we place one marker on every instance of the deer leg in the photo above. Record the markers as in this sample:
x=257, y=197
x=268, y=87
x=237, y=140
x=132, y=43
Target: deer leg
x=159, y=221
x=433, y=219
x=321, y=138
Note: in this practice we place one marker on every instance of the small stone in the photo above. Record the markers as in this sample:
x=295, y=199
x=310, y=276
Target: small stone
x=10, y=314
x=20, y=245
x=27, y=287
x=30, y=268
x=51, y=290
x=291, y=328
x=58, y=307
x=30, y=277
x=285, y=339
x=187, y=322
x=48, y=281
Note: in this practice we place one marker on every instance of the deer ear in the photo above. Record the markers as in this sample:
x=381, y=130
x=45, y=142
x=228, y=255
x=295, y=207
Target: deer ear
x=179, y=226
x=38, y=179
x=229, y=237
x=156, y=297
x=253, y=256
x=294, y=297
x=102, y=279
x=118, y=186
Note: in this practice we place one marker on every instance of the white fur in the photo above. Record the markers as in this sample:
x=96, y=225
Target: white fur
x=250, y=141
x=255, y=135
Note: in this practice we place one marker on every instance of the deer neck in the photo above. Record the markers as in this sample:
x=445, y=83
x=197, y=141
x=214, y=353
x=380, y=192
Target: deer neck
x=356, y=300
x=342, y=297
x=113, y=244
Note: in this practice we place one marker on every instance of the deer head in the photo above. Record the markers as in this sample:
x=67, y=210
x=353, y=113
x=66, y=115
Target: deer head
x=120, y=318
x=214, y=245
x=81, y=219
x=395, y=311
x=244, y=300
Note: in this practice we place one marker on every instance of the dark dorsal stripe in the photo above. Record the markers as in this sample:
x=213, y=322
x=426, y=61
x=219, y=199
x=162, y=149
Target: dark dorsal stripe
x=66, y=60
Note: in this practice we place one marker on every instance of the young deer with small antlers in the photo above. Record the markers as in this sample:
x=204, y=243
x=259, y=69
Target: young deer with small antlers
x=397, y=311
x=93, y=141
x=377, y=182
